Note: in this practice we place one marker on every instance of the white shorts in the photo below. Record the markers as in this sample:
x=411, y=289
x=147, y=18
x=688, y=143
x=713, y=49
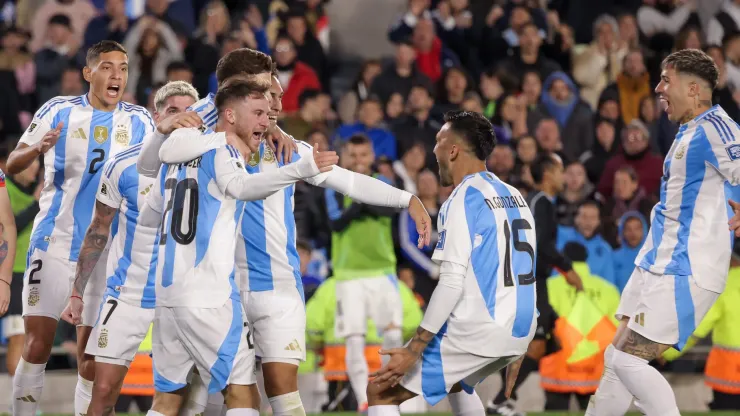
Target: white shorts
x=376, y=298
x=47, y=284
x=664, y=308
x=13, y=325
x=278, y=321
x=442, y=365
x=213, y=340
x=116, y=337
x=95, y=291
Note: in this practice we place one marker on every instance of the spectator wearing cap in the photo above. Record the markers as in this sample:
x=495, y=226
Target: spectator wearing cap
x=637, y=154
x=370, y=123
x=294, y=75
x=53, y=58
x=418, y=124
x=401, y=75
x=349, y=102
x=113, y=25
x=79, y=13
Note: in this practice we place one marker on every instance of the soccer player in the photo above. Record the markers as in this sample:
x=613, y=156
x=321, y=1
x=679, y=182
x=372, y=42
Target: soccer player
x=76, y=135
x=682, y=267
x=198, y=313
x=242, y=62
x=128, y=306
x=482, y=314
x=267, y=260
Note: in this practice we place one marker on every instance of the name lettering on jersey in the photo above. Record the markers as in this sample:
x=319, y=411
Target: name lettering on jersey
x=121, y=136
x=100, y=134
x=195, y=163
x=441, y=241
x=733, y=152
x=32, y=127
x=512, y=201
x=79, y=134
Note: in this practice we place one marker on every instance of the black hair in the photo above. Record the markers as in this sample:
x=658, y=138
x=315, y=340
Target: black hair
x=307, y=94
x=575, y=252
x=694, y=62
x=104, y=46
x=475, y=129
x=543, y=163
x=236, y=89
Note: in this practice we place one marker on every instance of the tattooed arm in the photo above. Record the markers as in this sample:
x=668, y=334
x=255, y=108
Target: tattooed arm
x=7, y=248
x=93, y=245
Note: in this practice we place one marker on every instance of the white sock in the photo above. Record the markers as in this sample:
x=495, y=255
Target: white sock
x=83, y=395
x=392, y=338
x=357, y=371
x=612, y=397
x=195, y=404
x=288, y=404
x=384, y=410
x=28, y=383
x=242, y=412
x=646, y=384
x=215, y=405
x=153, y=413
x=464, y=404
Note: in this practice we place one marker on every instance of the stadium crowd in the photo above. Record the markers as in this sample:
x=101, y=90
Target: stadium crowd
x=558, y=77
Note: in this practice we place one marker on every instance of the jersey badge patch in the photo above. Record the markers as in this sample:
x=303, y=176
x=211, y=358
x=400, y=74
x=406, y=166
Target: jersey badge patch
x=203, y=128
x=121, y=136
x=103, y=190
x=268, y=157
x=100, y=133
x=681, y=151
x=733, y=151
x=254, y=159
x=103, y=339
x=32, y=127
x=441, y=241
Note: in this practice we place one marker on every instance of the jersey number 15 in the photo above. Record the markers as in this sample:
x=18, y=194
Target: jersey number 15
x=521, y=246
x=177, y=204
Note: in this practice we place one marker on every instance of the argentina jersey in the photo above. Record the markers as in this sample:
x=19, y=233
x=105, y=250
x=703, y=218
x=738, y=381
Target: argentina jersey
x=266, y=255
x=199, y=230
x=132, y=259
x=206, y=109
x=689, y=235
x=487, y=227
x=73, y=166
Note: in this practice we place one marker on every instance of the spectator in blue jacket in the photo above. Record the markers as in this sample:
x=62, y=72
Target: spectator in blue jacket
x=633, y=230
x=586, y=232
x=370, y=123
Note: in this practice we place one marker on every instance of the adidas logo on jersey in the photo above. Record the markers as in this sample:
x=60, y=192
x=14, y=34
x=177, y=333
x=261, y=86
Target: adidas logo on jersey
x=79, y=134
x=640, y=319
x=27, y=399
x=146, y=191
x=293, y=346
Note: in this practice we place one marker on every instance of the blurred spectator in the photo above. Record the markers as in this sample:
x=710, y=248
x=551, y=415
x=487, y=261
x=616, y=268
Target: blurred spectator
x=79, y=13
x=597, y=65
x=408, y=168
x=548, y=138
x=532, y=89
x=493, y=44
x=231, y=42
x=394, y=109
x=632, y=85
x=649, y=116
x=529, y=57
x=632, y=232
x=689, y=38
x=491, y=89
x=586, y=231
x=724, y=94
x=310, y=116
x=560, y=42
x=113, y=25
x=426, y=272
x=603, y=149
x=526, y=153
x=725, y=21
x=15, y=59
x=308, y=48
x=54, y=57
x=310, y=281
x=399, y=76
x=175, y=13
x=511, y=116
x=71, y=83
x=629, y=36
x=664, y=16
x=560, y=100
x=370, y=123
x=294, y=75
x=731, y=45
x=576, y=190
x=501, y=162
x=151, y=46
x=179, y=71
x=418, y=125
x=350, y=101
x=204, y=49
x=637, y=153
x=627, y=196
x=472, y=102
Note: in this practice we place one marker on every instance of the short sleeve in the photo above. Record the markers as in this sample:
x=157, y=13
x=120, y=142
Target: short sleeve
x=41, y=122
x=227, y=164
x=455, y=241
x=108, y=190
x=306, y=150
x=723, y=136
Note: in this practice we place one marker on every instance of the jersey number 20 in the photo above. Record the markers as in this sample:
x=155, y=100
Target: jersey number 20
x=186, y=188
x=521, y=246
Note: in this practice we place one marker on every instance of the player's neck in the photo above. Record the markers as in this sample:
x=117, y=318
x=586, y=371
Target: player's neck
x=700, y=108
x=467, y=168
x=98, y=104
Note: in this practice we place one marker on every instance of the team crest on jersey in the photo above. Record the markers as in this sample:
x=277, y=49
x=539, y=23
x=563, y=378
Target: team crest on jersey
x=734, y=151
x=122, y=135
x=268, y=157
x=103, y=339
x=681, y=151
x=441, y=241
x=33, y=296
x=100, y=134
x=254, y=159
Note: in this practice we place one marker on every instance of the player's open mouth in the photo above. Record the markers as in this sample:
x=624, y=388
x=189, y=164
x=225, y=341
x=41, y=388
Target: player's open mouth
x=664, y=103
x=112, y=90
x=257, y=136
x=273, y=118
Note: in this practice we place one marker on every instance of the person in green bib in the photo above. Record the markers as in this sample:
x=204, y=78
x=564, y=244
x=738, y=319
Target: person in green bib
x=364, y=263
x=24, y=190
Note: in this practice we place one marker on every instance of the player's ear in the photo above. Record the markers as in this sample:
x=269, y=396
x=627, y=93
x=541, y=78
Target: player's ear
x=87, y=73
x=230, y=117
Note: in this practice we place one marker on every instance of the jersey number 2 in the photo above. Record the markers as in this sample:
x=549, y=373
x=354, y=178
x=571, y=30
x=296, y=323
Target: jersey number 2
x=521, y=246
x=176, y=204
x=98, y=160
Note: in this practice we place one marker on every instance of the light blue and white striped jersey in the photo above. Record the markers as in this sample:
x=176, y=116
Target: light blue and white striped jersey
x=73, y=166
x=199, y=230
x=487, y=227
x=132, y=259
x=266, y=255
x=689, y=233
x=206, y=109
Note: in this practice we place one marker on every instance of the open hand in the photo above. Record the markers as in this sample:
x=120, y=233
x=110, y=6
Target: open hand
x=282, y=144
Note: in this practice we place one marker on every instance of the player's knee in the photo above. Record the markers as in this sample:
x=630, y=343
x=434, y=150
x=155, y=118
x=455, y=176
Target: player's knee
x=280, y=378
x=536, y=349
x=105, y=390
x=242, y=397
x=36, y=349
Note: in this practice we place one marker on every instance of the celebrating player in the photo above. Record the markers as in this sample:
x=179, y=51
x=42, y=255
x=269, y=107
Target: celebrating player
x=128, y=307
x=482, y=315
x=198, y=312
x=682, y=268
x=76, y=135
x=268, y=264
